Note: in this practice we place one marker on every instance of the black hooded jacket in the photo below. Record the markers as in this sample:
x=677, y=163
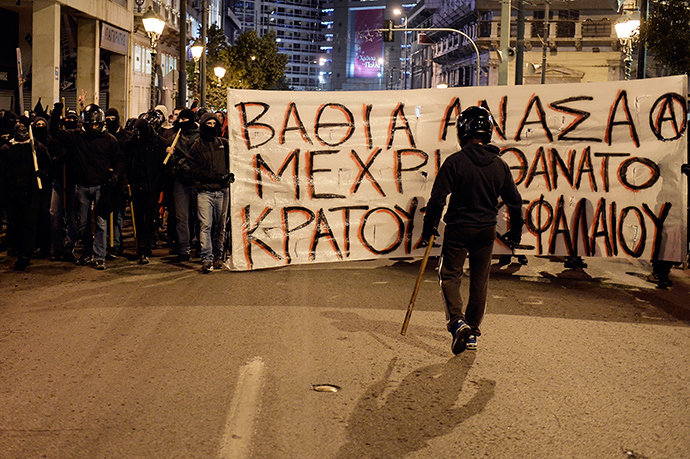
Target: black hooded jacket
x=475, y=177
x=209, y=158
x=144, y=154
x=92, y=157
x=189, y=133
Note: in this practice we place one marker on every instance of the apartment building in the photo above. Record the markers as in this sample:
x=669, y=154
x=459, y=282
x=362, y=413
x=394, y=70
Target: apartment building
x=575, y=42
x=297, y=25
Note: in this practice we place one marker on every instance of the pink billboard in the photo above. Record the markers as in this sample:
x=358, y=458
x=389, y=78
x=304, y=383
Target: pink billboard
x=368, y=45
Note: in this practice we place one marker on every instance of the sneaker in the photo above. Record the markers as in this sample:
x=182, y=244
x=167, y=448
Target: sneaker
x=83, y=260
x=575, y=263
x=99, y=265
x=183, y=257
x=653, y=278
x=143, y=260
x=21, y=264
x=522, y=259
x=504, y=260
x=664, y=283
x=471, y=342
x=217, y=263
x=206, y=267
x=460, y=333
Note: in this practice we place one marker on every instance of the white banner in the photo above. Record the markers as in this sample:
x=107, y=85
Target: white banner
x=338, y=176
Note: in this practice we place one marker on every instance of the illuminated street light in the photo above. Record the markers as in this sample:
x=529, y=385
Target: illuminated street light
x=399, y=12
x=154, y=26
x=219, y=71
x=627, y=28
x=197, y=49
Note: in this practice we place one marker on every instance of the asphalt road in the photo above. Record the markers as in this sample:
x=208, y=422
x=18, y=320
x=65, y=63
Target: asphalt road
x=160, y=361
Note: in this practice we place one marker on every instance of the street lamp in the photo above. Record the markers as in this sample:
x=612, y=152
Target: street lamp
x=627, y=27
x=380, y=61
x=399, y=12
x=153, y=25
x=219, y=71
x=197, y=49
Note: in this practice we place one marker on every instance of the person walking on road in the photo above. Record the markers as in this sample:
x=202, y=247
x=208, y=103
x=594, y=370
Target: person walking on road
x=98, y=163
x=23, y=164
x=144, y=154
x=184, y=195
x=475, y=177
x=209, y=161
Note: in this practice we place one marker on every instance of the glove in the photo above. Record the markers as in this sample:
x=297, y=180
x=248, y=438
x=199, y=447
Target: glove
x=43, y=175
x=112, y=180
x=685, y=169
x=428, y=230
x=228, y=178
x=514, y=235
x=57, y=108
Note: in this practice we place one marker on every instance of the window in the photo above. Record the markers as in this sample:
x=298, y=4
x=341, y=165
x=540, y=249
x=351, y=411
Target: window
x=137, y=58
x=600, y=28
x=566, y=23
x=538, y=23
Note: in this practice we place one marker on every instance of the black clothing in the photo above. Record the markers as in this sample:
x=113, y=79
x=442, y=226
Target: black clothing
x=144, y=153
x=144, y=158
x=18, y=180
x=180, y=158
x=474, y=177
x=209, y=161
x=94, y=157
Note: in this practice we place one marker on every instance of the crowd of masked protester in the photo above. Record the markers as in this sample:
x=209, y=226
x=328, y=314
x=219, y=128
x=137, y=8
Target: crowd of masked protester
x=69, y=181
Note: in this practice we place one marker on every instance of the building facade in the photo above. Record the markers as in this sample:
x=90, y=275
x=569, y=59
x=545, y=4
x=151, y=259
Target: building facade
x=574, y=42
x=297, y=26
x=98, y=48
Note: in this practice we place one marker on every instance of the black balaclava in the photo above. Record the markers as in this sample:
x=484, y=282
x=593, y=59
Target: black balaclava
x=142, y=130
x=205, y=131
x=71, y=120
x=40, y=132
x=112, y=125
x=21, y=129
x=187, y=125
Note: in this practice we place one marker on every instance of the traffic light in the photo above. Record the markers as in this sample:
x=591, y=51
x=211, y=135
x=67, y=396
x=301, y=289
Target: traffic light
x=387, y=30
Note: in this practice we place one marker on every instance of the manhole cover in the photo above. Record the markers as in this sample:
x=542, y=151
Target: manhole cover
x=325, y=388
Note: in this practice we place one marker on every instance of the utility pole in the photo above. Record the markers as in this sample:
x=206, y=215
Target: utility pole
x=182, y=68
x=545, y=42
x=505, y=42
x=642, y=45
x=202, y=70
x=520, y=43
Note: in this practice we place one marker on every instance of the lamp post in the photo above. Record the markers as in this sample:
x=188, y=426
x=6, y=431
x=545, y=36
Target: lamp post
x=627, y=28
x=399, y=12
x=219, y=71
x=380, y=73
x=153, y=25
x=197, y=50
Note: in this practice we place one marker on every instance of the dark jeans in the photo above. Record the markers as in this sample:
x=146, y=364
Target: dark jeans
x=63, y=218
x=185, y=216
x=146, y=218
x=22, y=218
x=460, y=243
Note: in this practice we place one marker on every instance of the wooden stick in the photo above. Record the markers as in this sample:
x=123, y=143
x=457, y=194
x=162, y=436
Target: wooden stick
x=177, y=137
x=134, y=223
x=422, y=268
x=33, y=150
